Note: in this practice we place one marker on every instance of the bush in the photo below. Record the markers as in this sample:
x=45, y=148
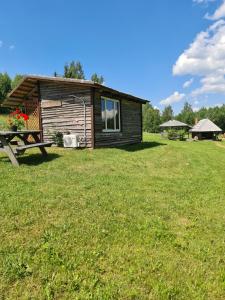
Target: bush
x=181, y=134
x=58, y=138
x=173, y=134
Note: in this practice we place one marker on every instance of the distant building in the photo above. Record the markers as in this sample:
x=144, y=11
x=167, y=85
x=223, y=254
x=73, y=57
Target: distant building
x=174, y=124
x=205, y=129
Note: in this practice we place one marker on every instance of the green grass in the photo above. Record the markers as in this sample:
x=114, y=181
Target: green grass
x=139, y=222
x=3, y=121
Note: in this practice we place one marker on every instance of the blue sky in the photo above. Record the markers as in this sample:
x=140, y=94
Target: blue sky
x=140, y=47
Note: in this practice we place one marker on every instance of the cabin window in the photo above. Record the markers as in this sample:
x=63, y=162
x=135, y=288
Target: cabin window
x=110, y=114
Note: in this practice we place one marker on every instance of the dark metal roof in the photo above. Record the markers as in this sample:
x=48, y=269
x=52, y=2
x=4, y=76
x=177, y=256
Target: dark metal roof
x=29, y=84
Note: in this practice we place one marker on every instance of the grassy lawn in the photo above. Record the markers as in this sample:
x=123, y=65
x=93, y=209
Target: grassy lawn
x=3, y=121
x=140, y=222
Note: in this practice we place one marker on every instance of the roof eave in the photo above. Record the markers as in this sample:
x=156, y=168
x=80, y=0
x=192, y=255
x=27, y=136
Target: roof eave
x=72, y=81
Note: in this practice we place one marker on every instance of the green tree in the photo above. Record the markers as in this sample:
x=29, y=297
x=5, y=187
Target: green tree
x=167, y=114
x=5, y=85
x=74, y=70
x=16, y=80
x=186, y=115
x=151, y=118
x=97, y=79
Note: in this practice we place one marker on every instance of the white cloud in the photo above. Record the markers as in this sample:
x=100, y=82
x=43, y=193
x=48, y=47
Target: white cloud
x=195, y=108
x=11, y=47
x=218, y=14
x=203, y=1
x=205, y=58
x=188, y=83
x=175, y=97
x=219, y=104
x=1, y=44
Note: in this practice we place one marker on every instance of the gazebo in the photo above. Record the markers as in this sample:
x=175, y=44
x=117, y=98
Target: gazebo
x=205, y=129
x=174, y=124
x=174, y=129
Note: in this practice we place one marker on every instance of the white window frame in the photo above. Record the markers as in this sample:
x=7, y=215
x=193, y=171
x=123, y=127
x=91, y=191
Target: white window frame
x=111, y=130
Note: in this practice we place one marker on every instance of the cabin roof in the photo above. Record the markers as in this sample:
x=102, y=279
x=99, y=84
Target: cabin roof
x=205, y=125
x=174, y=123
x=29, y=84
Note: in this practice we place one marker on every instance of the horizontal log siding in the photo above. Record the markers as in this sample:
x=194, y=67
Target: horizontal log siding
x=131, y=129
x=69, y=116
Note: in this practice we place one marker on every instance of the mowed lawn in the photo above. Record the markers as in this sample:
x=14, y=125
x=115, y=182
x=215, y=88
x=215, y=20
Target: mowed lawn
x=139, y=222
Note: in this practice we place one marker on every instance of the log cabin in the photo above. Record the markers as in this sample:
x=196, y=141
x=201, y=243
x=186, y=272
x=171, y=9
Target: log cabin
x=99, y=115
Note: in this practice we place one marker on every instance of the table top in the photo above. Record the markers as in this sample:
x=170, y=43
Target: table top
x=5, y=133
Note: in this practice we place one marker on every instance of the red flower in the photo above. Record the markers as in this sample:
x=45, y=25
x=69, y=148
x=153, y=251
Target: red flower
x=24, y=116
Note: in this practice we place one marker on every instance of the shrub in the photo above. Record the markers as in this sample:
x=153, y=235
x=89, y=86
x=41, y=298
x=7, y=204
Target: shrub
x=181, y=134
x=58, y=138
x=172, y=134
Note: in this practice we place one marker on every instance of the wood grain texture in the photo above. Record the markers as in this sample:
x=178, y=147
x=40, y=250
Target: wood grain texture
x=131, y=122
x=70, y=116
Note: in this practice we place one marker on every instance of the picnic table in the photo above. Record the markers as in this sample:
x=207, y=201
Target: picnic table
x=22, y=140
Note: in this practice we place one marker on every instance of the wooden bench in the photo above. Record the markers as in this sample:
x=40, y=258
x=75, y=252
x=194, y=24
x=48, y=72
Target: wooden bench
x=29, y=146
x=22, y=149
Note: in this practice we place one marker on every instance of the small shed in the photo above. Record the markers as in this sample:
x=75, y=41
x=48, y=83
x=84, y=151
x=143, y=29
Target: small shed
x=174, y=124
x=99, y=115
x=205, y=129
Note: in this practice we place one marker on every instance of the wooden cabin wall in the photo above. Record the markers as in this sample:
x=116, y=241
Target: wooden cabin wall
x=70, y=115
x=131, y=122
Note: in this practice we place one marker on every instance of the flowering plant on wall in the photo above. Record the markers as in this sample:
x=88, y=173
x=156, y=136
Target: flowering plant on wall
x=17, y=119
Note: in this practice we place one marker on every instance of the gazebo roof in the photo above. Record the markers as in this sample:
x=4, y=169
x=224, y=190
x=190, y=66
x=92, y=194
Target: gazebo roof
x=174, y=123
x=205, y=125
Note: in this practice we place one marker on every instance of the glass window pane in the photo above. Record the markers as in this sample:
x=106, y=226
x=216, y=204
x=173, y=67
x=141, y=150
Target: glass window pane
x=117, y=111
x=110, y=114
x=103, y=113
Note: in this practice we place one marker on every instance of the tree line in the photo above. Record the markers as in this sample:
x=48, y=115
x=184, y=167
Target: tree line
x=72, y=70
x=152, y=117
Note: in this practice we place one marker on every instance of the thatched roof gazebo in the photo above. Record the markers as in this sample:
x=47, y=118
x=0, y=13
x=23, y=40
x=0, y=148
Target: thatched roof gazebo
x=174, y=124
x=205, y=129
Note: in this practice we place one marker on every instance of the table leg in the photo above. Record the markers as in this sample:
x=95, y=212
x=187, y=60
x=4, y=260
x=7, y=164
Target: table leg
x=37, y=140
x=9, y=151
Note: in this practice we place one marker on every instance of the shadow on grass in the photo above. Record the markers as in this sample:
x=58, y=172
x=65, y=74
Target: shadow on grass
x=140, y=146
x=37, y=159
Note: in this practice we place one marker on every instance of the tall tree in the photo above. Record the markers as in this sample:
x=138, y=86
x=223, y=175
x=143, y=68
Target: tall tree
x=5, y=85
x=167, y=113
x=16, y=80
x=74, y=70
x=186, y=115
x=97, y=79
x=151, y=118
